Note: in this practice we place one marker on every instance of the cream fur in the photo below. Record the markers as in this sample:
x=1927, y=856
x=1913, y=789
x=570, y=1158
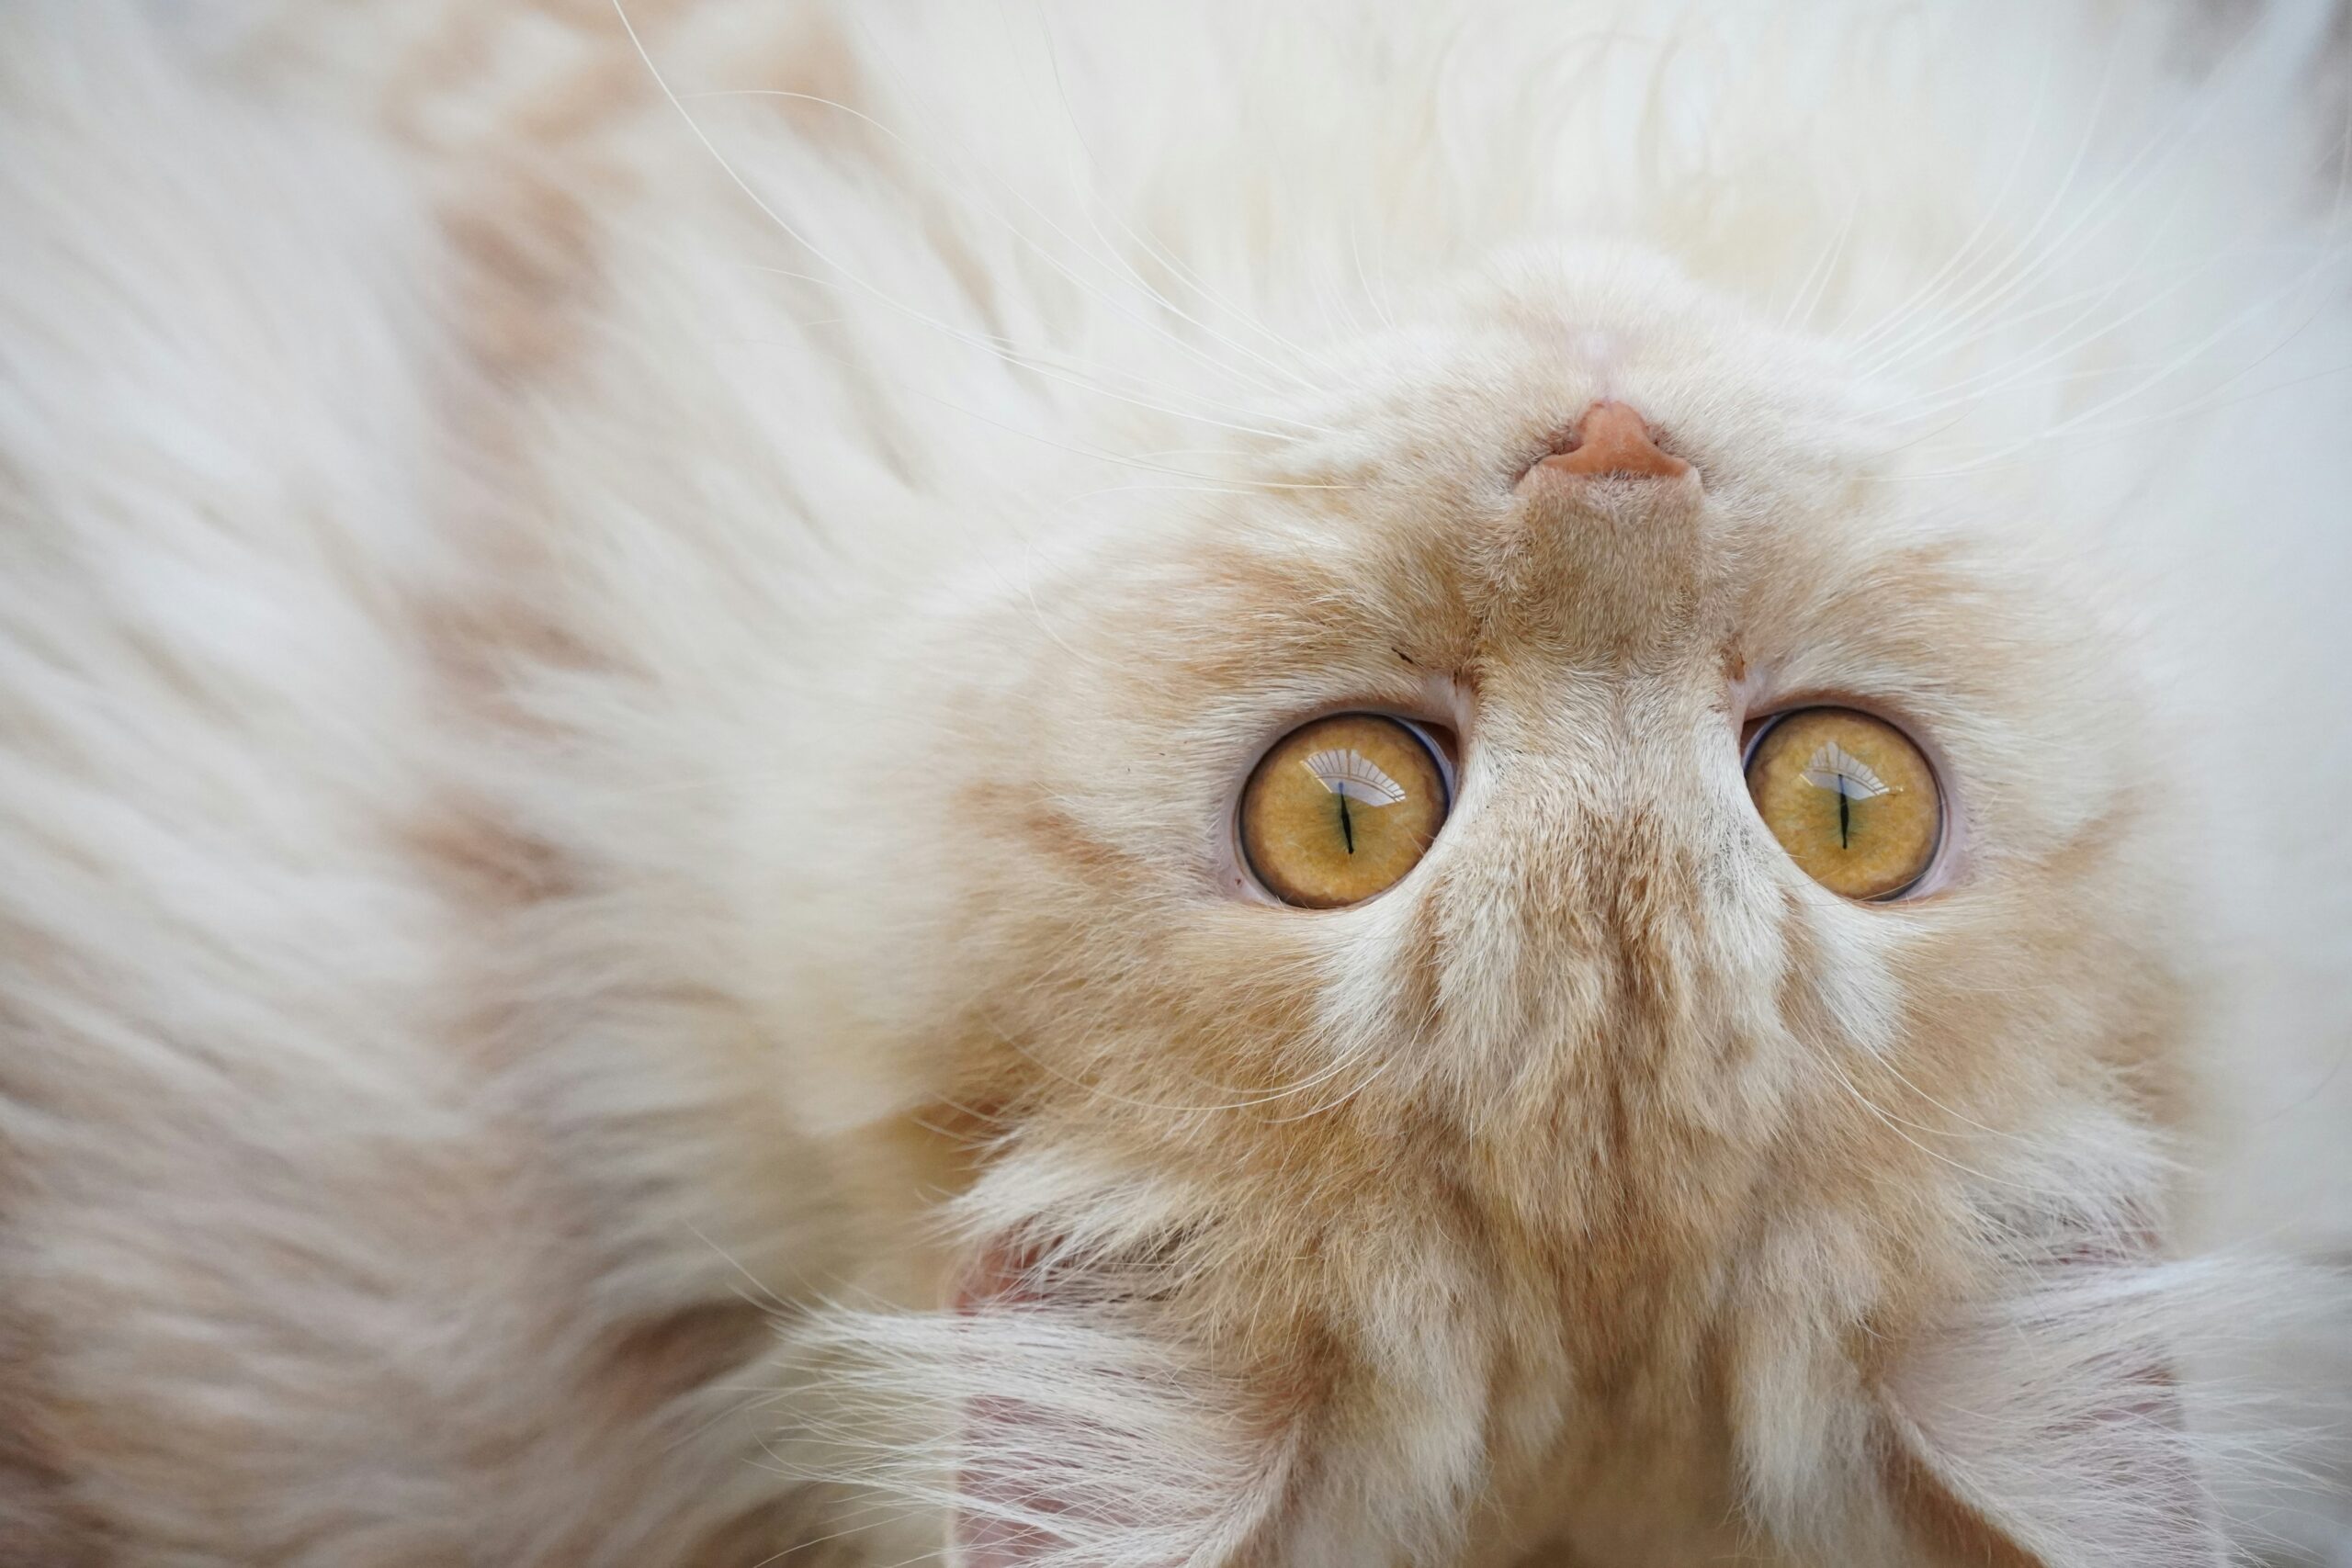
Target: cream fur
x=628, y=635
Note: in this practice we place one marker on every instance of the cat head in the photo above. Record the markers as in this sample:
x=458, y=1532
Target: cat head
x=1592, y=1166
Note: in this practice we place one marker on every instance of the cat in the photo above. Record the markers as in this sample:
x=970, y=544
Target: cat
x=677, y=680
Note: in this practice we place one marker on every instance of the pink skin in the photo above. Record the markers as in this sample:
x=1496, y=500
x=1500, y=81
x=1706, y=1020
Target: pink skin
x=1612, y=441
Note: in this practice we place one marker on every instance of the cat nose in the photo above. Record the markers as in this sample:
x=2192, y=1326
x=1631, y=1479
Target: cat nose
x=1612, y=441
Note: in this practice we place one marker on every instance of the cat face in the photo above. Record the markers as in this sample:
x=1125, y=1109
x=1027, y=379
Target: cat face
x=1606, y=1178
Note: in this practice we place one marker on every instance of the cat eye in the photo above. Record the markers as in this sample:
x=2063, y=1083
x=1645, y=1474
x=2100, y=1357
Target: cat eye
x=1849, y=797
x=1340, y=809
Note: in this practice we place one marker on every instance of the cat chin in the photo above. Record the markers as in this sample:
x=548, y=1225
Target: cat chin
x=1057, y=1413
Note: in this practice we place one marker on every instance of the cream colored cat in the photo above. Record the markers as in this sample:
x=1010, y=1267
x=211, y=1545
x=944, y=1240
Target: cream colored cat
x=1096, y=785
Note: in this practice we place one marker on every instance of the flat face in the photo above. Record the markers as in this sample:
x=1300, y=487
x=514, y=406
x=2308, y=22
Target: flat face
x=1849, y=797
x=1340, y=809
x=1540, y=1059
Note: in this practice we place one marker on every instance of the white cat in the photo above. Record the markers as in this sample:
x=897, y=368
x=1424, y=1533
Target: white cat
x=1094, y=784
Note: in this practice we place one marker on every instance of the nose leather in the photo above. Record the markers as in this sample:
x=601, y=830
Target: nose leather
x=1612, y=441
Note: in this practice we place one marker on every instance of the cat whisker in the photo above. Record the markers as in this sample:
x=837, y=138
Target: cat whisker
x=2083, y=440
x=738, y=1411
x=2075, y=426
x=2329, y=257
x=1102, y=455
x=1033, y=355
x=2023, y=374
x=1245, y=1099
x=1085, y=382
x=1281, y=372
x=1357, y=1088
x=784, y=1312
x=1889, y=326
x=1903, y=1128
x=1149, y=245
x=894, y=1508
x=2097, y=295
x=1377, y=298
x=1807, y=297
x=2127, y=274
x=1958, y=335
x=2186, y=272
x=1966, y=250
x=849, y=279
x=1886, y=1065
x=774, y=1302
x=2100, y=212
x=992, y=1118
x=1951, y=410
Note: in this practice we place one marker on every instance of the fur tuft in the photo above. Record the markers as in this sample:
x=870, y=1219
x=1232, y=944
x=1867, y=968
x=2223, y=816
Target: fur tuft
x=629, y=634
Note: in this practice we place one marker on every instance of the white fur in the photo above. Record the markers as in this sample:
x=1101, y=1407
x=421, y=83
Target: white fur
x=256, y=1202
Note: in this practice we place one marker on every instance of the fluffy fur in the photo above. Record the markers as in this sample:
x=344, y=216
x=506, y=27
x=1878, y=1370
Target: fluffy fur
x=629, y=635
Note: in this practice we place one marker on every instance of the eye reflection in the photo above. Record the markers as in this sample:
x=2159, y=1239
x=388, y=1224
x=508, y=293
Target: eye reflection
x=1849, y=797
x=1340, y=809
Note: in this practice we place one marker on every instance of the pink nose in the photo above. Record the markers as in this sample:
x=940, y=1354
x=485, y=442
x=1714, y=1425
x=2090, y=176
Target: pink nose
x=1611, y=441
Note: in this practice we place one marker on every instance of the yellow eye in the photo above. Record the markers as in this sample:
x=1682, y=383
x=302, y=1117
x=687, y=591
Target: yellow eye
x=1340, y=809
x=1849, y=797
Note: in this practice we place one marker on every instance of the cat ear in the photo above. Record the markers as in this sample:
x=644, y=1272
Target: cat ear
x=1086, y=1440
x=2046, y=1429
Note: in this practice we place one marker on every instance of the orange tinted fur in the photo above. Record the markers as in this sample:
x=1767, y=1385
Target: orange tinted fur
x=797, y=1070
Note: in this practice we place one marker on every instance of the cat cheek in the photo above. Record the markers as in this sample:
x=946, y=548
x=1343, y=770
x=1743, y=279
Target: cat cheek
x=2048, y=1431
x=1084, y=1439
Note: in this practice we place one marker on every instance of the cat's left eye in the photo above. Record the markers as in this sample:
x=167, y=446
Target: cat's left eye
x=1340, y=809
x=1850, y=798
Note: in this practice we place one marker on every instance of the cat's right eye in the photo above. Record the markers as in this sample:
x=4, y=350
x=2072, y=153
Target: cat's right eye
x=1849, y=797
x=1340, y=809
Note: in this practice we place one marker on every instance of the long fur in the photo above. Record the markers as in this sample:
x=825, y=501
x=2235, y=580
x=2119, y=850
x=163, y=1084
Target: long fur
x=627, y=634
